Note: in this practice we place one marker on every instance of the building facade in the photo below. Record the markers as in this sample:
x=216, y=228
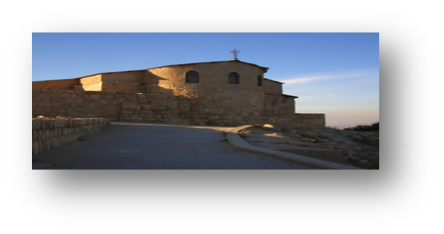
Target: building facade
x=226, y=92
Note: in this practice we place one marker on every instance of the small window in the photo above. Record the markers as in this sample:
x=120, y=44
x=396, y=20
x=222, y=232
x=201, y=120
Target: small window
x=192, y=77
x=233, y=78
x=259, y=80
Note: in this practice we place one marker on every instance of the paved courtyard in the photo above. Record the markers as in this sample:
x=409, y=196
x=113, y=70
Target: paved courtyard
x=124, y=145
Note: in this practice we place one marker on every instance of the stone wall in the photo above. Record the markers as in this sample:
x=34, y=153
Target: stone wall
x=309, y=121
x=122, y=86
x=76, y=103
x=51, y=133
x=91, y=83
x=273, y=104
x=55, y=84
x=272, y=87
x=219, y=109
x=288, y=104
x=213, y=109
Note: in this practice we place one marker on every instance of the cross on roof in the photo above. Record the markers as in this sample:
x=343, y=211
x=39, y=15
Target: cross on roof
x=235, y=52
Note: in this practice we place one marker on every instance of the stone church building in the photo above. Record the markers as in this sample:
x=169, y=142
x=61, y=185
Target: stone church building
x=224, y=93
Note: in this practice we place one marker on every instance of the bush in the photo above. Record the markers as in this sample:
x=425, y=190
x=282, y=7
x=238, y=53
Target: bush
x=365, y=128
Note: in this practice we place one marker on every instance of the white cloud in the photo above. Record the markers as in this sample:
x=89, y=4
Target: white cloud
x=304, y=80
x=315, y=97
x=308, y=79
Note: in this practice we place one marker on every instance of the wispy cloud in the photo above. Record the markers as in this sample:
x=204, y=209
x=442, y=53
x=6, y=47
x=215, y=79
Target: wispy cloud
x=315, y=97
x=311, y=78
x=304, y=80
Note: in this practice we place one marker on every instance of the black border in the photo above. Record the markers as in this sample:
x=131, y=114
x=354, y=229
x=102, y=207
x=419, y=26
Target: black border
x=279, y=192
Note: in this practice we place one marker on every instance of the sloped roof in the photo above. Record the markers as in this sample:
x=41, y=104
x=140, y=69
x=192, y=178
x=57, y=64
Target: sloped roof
x=274, y=81
x=265, y=69
x=291, y=96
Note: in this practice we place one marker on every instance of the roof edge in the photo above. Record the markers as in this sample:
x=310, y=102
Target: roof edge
x=274, y=81
x=286, y=95
x=265, y=69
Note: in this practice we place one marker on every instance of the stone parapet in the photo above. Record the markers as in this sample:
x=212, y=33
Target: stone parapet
x=49, y=133
x=309, y=121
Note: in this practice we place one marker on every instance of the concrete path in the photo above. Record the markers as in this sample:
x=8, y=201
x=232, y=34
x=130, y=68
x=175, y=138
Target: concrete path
x=156, y=146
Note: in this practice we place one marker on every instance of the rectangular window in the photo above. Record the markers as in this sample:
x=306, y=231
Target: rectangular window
x=192, y=77
x=233, y=78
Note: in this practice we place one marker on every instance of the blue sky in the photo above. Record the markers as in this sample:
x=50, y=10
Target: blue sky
x=332, y=73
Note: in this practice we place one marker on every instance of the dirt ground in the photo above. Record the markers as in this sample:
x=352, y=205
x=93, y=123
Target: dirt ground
x=360, y=149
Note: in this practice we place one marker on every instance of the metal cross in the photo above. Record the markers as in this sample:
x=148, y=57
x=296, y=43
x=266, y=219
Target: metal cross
x=235, y=52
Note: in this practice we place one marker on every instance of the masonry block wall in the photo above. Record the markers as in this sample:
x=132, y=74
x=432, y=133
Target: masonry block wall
x=92, y=83
x=52, y=133
x=309, y=121
x=76, y=103
x=66, y=84
x=212, y=109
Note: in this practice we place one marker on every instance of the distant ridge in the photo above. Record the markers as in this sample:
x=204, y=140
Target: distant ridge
x=342, y=126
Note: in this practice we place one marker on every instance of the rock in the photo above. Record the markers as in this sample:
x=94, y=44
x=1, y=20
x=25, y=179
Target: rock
x=344, y=146
x=359, y=137
x=324, y=134
x=328, y=146
x=270, y=127
x=374, y=139
x=353, y=158
x=370, y=155
x=340, y=147
x=309, y=133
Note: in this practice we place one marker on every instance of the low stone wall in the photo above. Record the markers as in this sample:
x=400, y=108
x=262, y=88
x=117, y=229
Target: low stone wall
x=299, y=121
x=51, y=133
x=309, y=121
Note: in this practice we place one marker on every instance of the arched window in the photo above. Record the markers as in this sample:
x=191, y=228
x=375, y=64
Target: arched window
x=192, y=77
x=233, y=78
x=259, y=80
